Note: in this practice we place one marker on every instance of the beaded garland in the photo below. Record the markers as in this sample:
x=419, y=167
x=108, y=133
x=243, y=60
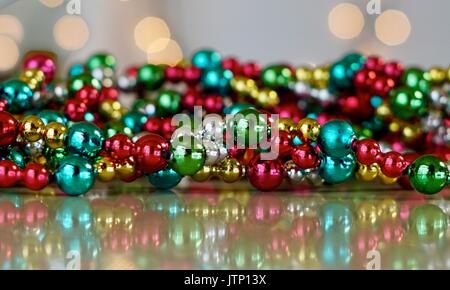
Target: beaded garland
x=76, y=131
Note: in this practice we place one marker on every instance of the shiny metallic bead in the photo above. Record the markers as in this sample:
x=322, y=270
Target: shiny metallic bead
x=54, y=135
x=32, y=128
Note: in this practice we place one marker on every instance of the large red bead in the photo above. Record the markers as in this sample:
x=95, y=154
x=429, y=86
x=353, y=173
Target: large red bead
x=375, y=63
x=88, y=95
x=153, y=125
x=10, y=173
x=192, y=75
x=305, y=156
x=232, y=64
x=75, y=110
x=393, y=164
x=108, y=94
x=119, y=146
x=151, y=153
x=265, y=175
x=174, y=74
x=404, y=180
x=167, y=128
x=9, y=129
x=393, y=70
x=35, y=176
x=284, y=141
x=251, y=70
x=367, y=151
x=213, y=104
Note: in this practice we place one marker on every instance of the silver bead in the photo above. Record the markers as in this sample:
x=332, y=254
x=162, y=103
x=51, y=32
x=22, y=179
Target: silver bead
x=293, y=172
x=35, y=149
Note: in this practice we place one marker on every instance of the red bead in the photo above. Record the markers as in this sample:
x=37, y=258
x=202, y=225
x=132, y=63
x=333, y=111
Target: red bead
x=367, y=151
x=153, y=125
x=75, y=110
x=167, y=128
x=151, y=153
x=232, y=64
x=108, y=94
x=404, y=180
x=88, y=95
x=393, y=70
x=190, y=99
x=289, y=110
x=174, y=74
x=374, y=63
x=265, y=175
x=382, y=86
x=192, y=75
x=43, y=62
x=251, y=70
x=9, y=129
x=393, y=164
x=129, y=179
x=3, y=105
x=364, y=79
x=355, y=107
x=305, y=156
x=119, y=146
x=284, y=141
x=35, y=176
x=213, y=104
x=10, y=173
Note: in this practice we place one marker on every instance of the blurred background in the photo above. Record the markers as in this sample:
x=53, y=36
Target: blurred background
x=164, y=31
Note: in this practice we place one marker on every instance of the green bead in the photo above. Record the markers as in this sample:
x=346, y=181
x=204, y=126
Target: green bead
x=165, y=179
x=337, y=170
x=236, y=108
x=18, y=94
x=55, y=156
x=85, y=139
x=428, y=222
x=168, y=103
x=145, y=106
x=428, y=174
x=217, y=80
x=187, y=155
x=76, y=83
x=101, y=61
x=248, y=127
x=407, y=103
x=134, y=121
x=151, y=77
x=277, y=76
x=414, y=78
x=335, y=138
x=111, y=128
x=207, y=59
x=49, y=116
x=75, y=175
x=17, y=157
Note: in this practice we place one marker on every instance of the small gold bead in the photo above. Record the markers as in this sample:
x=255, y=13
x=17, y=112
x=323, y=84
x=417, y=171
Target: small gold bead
x=304, y=74
x=367, y=172
x=105, y=169
x=308, y=130
x=55, y=134
x=230, y=170
x=126, y=168
x=204, y=174
x=32, y=128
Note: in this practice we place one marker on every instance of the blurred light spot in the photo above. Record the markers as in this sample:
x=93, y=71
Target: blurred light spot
x=346, y=21
x=148, y=30
x=52, y=3
x=9, y=53
x=11, y=26
x=392, y=27
x=71, y=32
x=171, y=55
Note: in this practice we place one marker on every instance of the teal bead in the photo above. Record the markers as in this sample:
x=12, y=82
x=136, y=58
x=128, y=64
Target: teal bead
x=236, y=108
x=49, y=116
x=165, y=179
x=342, y=72
x=335, y=138
x=277, y=76
x=76, y=70
x=17, y=157
x=85, y=139
x=75, y=175
x=101, y=61
x=74, y=215
x=168, y=103
x=337, y=170
x=207, y=59
x=217, y=80
x=428, y=174
x=151, y=77
x=18, y=94
x=134, y=121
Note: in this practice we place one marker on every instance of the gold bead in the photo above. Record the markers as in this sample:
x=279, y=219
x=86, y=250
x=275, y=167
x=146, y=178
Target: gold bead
x=437, y=75
x=411, y=132
x=308, y=130
x=111, y=109
x=243, y=85
x=304, y=74
x=230, y=170
x=367, y=172
x=267, y=98
x=204, y=174
x=126, y=168
x=386, y=180
x=34, y=78
x=32, y=128
x=366, y=213
x=55, y=134
x=41, y=160
x=105, y=169
x=321, y=75
x=388, y=209
x=286, y=124
x=394, y=126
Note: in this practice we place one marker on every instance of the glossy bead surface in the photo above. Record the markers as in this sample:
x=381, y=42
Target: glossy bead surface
x=277, y=76
x=32, y=128
x=85, y=139
x=35, y=177
x=367, y=151
x=217, y=80
x=230, y=170
x=150, y=153
x=168, y=103
x=165, y=179
x=305, y=156
x=151, y=76
x=428, y=174
x=105, y=169
x=10, y=173
x=392, y=164
x=188, y=155
x=307, y=130
x=18, y=94
x=9, y=129
x=337, y=170
x=335, y=138
x=119, y=146
x=265, y=175
x=75, y=175
x=55, y=134
x=206, y=59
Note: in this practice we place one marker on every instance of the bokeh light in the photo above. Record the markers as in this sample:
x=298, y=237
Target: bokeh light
x=346, y=21
x=392, y=27
x=9, y=53
x=148, y=30
x=170, y=55
x=11, y=26
x=71, y=32
x=51, y=3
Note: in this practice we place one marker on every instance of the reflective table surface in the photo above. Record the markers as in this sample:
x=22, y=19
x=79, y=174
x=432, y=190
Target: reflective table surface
x=217, y=226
